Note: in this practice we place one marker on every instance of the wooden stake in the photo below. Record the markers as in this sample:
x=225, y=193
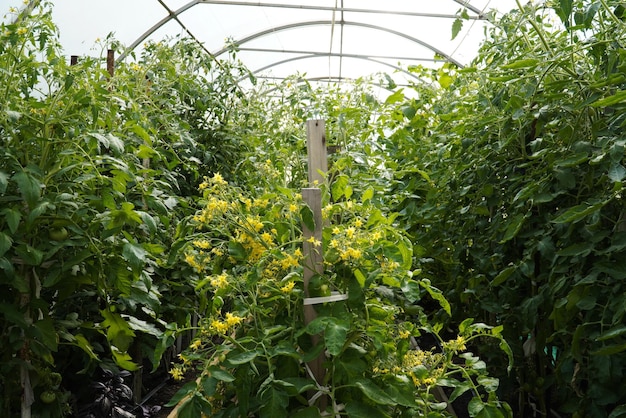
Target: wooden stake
x=110, y=61
x=312, y=239
x=316, y=149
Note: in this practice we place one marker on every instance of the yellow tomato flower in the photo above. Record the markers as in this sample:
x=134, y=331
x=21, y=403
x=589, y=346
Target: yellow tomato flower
x=220, y=281
x=195, y=344
x=314, y=241
x=176, y=373
x=218, y=180
x=288, y=287
x=219, y=326
x=232, y=320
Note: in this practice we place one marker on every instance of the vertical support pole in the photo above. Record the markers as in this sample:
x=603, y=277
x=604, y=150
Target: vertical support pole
x=110, y=61
x=314, y=254
x=316, y=149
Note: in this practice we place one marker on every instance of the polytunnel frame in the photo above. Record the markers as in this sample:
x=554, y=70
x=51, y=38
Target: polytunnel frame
x=174, y=15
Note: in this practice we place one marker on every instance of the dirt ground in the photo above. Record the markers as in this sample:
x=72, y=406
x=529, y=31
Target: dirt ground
x=165, y=394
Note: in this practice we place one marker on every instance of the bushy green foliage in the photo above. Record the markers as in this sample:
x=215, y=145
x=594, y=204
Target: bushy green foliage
x=96, y=173
x=521, y=213
x=254, y=348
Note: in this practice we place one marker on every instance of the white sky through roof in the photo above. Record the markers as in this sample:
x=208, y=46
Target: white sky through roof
x=321, y=43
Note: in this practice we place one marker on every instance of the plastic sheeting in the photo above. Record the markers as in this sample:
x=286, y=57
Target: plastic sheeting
x=318, y=39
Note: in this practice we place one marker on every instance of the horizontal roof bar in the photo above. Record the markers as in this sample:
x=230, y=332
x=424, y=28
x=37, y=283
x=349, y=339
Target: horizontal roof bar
x=342, y=9
x=336, y=54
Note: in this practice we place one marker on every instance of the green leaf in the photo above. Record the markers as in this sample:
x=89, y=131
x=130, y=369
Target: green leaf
x=300, y=383
x=362, y=410
x=459, y=389
x=5, y=243
x=13, y=316
x=367, y=195
x=397, y=96
x=360, y=277
x=242, y=358
x=137, y=324
x=475, y=406
x=583, y=248
x=115, y=144
x=335, y=335
x=444, y=80
x=491, y=411
x=513, y=227
x=457, y=25
x=141, y=133
x=118, y=331
x=618, y=412
x=310, y=412
x=123, y=359
x=4, y=182
x=308, y=219
x=373, y=392
x=523, y=63
x=617, y=172
x=46, y=334
x=135, y=255
x=437, y=295
x=504, y=346
x=275, y=403
x=609, y=350
x=187, y=389
x=220, y=374
x=503, y=275
x=236, y=250
x=29, y=187
x=30, y=255
x=618, y=97
x=338, y=187
x=13, y=219
x=489, y=383
x=612, y=333
x=578, y=212
x=574, y=160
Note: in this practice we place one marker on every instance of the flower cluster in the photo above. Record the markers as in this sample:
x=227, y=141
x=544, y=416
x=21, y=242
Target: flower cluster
x=229, y=322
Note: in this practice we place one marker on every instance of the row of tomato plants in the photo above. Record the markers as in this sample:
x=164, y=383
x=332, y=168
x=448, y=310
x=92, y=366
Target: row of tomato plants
x=103, y=264
x=501, y=187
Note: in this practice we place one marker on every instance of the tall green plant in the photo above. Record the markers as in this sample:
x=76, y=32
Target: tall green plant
x=521, y=217
x=94, y=175
x=254, y=347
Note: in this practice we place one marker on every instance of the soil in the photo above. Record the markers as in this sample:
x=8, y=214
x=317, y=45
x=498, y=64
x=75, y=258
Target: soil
x=166, y=393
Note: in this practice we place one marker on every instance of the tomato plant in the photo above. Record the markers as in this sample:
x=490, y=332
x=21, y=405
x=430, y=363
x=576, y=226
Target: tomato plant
x=520, y=211
x=94, y=175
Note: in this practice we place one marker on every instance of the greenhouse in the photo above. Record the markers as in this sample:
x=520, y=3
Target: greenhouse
x=347, y=209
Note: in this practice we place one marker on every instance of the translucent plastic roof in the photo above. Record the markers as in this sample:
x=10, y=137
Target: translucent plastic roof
x=320, y=39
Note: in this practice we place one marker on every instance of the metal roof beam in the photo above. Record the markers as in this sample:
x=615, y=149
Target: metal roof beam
x=293, y=51
x=329, y=22
x=174, y=15
x=342, y=9
x=274, y=64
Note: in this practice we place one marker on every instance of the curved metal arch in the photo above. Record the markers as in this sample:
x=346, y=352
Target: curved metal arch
x=334, y=79
x=173, y=15
x=274, y=64
x=347, y=23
